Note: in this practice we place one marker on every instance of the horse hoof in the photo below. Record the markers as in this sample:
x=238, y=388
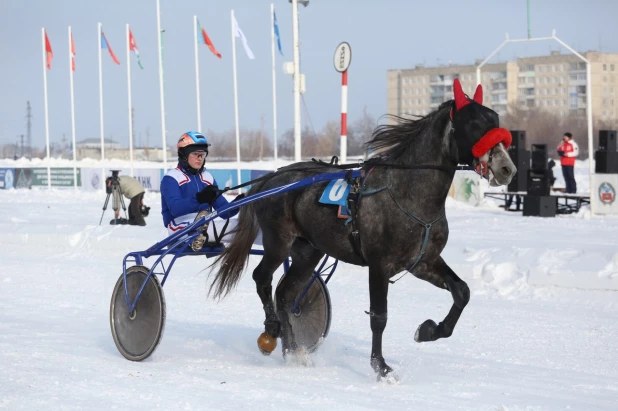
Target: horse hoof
x=425, y=331
x=384, y=371
x=266, y=343
x=389, y=378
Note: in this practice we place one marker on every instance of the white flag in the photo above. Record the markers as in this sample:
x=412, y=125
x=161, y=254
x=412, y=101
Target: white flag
x=238, y=33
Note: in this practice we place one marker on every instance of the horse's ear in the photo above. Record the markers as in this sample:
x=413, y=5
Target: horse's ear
x=460, y=97
x=478, y=94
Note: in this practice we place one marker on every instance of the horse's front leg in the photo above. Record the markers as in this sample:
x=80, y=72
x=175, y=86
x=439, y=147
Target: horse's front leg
x=378, y=293
x=263, y=283
x=441, y=275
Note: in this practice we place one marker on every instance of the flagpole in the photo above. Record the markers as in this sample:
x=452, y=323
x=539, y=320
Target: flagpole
x=197, y=74
x=129, y=96
x=161, y=88
x=46, y=108
x=297, y=141
x=101, y=102
x=235, y=97
x=272, y=38
x=72, y=107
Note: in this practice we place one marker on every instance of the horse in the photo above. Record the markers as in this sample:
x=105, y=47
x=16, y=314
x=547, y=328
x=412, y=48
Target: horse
x=400, y=222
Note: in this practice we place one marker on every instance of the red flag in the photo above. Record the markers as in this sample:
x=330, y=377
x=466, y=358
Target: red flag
x=49, y=54
x=133, y=48
x=207, y=40
x=72, y=53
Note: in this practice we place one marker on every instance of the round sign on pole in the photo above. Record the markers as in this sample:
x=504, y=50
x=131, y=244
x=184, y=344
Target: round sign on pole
x=343, y=57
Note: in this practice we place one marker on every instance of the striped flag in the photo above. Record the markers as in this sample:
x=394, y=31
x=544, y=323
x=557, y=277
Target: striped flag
x=238, y=33
x=201, y=33
x=277, y=31
x=133, y=48
x=105, y=45
x=72, y=53
x=49, y=54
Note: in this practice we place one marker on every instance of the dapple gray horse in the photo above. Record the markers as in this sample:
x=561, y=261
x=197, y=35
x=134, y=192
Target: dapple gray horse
x=401, y=226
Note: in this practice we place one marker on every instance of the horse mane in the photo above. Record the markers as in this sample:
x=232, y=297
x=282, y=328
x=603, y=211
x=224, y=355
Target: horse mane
x=389, y=141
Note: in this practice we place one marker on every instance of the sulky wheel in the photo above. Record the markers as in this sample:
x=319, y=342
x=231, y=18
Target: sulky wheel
x=137, y=333
x=312, y=321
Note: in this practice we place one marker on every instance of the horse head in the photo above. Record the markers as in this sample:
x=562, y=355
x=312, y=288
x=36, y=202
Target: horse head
x=481, y=143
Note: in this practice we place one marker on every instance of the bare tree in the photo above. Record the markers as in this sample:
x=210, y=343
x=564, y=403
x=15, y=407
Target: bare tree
x=361, y=132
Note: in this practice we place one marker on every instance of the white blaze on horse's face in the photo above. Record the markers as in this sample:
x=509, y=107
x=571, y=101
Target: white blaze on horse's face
x=501, y=167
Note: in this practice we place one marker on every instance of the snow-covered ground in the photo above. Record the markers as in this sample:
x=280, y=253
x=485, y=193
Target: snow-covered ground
x=540, y=332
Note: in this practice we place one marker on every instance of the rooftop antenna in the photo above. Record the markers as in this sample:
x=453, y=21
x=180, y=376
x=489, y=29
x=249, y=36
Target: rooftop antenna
x=528, y=12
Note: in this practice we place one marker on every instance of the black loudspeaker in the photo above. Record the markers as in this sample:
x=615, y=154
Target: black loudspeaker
x=519, y=140
x=539, y=182
x=607, y=140
x=521, y=159
x=606, y=162
x=540, y=206
x=538, y=154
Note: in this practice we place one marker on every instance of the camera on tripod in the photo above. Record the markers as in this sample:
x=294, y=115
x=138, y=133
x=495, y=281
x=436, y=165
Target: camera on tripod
x=112, y=188
x=112, y=182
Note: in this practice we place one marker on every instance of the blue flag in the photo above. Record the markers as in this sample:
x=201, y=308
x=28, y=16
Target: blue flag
x=277, y=32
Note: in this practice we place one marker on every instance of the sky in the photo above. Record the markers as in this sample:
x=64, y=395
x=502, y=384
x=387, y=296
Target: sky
x=386, y=34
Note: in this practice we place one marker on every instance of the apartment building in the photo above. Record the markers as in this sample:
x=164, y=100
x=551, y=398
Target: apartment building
x=557, y=83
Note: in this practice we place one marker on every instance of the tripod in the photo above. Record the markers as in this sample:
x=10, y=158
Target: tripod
x=116, y=193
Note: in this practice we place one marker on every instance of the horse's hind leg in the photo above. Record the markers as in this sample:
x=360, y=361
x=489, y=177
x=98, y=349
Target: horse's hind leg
x=276, y=250
x=441, y=275
x=304, y=260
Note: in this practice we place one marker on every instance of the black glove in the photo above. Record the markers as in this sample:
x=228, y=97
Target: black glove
x=561, y=153
x=207, y=195
x=239, y=196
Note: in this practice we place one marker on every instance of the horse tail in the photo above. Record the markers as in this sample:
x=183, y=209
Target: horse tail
x=235, y=257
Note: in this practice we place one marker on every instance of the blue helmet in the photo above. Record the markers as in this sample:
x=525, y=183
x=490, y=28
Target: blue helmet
x=193, y=139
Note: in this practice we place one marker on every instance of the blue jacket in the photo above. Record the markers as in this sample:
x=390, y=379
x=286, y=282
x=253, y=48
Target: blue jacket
x=178, y=203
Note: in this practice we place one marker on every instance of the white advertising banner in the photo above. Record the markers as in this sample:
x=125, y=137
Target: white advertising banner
x=91, y=179
x=603, y=190
x=465, y=187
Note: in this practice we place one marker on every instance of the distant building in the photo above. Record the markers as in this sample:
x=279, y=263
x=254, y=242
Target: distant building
x=557, y=83
x=96, y=143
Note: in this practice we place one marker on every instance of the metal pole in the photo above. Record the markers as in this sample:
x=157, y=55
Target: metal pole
x=344, y=117
x=159, y=39
x=528, y=10
x=46, y=108
x=478, y=68
x=272, y=40
x=129, y=99
x=72, y=108
x=197, y=74
x=101, y=101
x=235, y=96
x=588, y=94
x=588, y=113
x=297, y=140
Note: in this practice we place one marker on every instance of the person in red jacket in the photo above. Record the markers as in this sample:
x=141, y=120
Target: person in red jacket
x=568, y=151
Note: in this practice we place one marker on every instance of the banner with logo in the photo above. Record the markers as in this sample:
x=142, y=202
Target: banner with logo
x=91, y=179
x=7, y=177
x=60, y=177
x=22, y=178
x=465, y=187
x=604, y=188
x=149, y=178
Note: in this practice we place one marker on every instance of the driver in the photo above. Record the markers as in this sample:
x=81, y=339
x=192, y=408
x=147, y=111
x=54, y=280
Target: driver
x=190, y=188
